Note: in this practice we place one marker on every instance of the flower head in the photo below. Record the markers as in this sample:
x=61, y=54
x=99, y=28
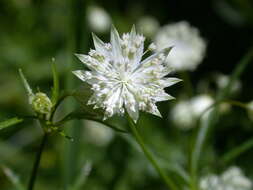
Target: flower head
x=148, y=25
x=232, y=179
x=186, y=112
x=189, y=46
x=121, y=80
x=98, y=19
x=41, y=103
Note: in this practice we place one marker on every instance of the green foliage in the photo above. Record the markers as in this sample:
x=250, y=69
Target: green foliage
x=10, y=122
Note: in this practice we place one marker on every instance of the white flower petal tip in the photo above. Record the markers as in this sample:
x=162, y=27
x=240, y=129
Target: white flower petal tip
x=121, y=82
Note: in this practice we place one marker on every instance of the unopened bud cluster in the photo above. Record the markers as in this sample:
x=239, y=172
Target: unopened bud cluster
x=41, y=104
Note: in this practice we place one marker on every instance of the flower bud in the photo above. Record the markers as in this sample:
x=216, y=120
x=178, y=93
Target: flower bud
x=41, y=103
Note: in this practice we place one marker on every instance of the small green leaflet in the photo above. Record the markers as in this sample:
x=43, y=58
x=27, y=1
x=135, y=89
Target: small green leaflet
x=10, y=122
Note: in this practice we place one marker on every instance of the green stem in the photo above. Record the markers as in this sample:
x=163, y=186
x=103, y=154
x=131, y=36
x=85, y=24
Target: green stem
x=237, y=151
x=37, y=163
x=236, y=103
x=207, y=124
x=169, y=183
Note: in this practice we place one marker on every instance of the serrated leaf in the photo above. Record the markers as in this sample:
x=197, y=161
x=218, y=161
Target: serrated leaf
x=10, y=122
x=55, y=90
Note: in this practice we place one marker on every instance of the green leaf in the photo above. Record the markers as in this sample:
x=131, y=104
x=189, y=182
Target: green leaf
x=13, y=178
x=10, y=122
x=55, y=89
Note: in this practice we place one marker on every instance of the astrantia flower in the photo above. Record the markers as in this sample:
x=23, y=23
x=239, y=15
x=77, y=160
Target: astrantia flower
x=148, y=25
x=182, y=115
x=98, y=19
x=231, y=179
x=186, y=113
x=189, y=47
x=121, y=80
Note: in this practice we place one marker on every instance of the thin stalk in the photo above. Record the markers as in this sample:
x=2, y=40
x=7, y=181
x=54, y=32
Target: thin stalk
x=237, y=151
x=169, y=183
x=207, y=124
x=37, y=163
x=237, y=103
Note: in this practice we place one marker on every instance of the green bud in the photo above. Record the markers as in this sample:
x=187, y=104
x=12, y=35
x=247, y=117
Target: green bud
x=41, y=103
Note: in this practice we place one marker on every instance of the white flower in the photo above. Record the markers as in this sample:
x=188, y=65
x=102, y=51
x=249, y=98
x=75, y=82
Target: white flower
x=231, y=179
x=223, y=80
x=185, y=113
x=189, y=47
x=148, y=26
x=98, y=19
x=182, y=115
x=120, y=80
x=200, y=104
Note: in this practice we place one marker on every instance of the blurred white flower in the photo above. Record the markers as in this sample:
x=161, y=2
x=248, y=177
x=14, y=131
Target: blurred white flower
x=231, y=179
x=98, y=19
x=223, y=80
x=185, y=113
x=200, y=104
x=97, y=133
x=148, y=26
x=182, y=116
x=120, y=80
x=189, y=48
x=234, y=179
x=210, y=182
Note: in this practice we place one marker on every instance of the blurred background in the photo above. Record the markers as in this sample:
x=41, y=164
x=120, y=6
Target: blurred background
x=218, y=33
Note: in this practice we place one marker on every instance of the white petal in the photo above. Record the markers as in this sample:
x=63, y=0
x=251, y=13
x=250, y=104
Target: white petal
x=131, y=105
x=162, y=96
x=80, y=74
x=166, y=82
x=163, y=51
x=115, y=42
x=99, y=45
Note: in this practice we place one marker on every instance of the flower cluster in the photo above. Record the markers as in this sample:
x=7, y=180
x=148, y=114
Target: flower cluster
x=121, y=80
x=189, y=46
x=231, y=179
x=186, y=112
